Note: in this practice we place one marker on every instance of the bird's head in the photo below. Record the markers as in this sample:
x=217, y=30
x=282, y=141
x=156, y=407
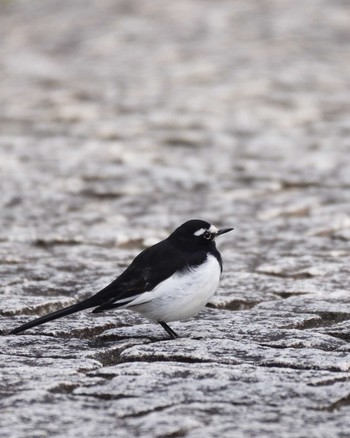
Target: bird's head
x=197, y=233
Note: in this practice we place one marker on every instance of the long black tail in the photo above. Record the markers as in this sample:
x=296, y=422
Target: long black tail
x=58, y=314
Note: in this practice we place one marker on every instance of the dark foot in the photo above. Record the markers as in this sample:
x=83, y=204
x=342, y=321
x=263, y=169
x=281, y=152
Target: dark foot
x=170, y=331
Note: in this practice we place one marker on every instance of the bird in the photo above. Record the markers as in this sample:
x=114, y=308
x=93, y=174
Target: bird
x=172, y=280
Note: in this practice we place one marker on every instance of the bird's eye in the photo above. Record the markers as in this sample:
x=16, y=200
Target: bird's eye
x=207, y=235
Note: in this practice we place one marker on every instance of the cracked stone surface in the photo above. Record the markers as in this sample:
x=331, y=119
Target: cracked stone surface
x=119, y=120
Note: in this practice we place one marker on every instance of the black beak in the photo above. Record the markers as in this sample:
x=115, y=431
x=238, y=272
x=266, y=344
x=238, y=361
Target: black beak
x=224, y=230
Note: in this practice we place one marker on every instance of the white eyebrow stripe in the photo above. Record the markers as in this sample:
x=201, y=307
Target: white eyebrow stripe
x=200, y=232
x=213, y=229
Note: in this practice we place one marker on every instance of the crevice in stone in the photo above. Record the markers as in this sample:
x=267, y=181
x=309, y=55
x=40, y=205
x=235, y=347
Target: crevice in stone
x=86, y=332
x=132, y=244
x=326, y=319
x=298, y=346
x=298, y=367
x=176, y=434
x=104, y=396
x=173, y=358
x=294, y=276
x=36, y=310
x=110, y=357
x=291, y=185
x=101, y=374
x=285, y=295
x=101, y=195
x=44, y=243
x=277, y=347
x=235, y=305
x=336, y=406
x=342, y=336
x=148, y=411
x=64, y=388
x=112, y=337
x=329, y=382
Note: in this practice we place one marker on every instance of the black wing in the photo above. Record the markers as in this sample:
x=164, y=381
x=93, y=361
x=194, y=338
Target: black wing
x=148, y=269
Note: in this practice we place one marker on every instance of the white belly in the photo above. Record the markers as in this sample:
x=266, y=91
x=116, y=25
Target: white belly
x=180, y=296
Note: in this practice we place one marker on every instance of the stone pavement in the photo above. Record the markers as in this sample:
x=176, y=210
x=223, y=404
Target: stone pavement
x=118, y=121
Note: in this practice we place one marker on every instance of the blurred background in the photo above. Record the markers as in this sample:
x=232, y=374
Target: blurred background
x=120, y=114
x=121, y=119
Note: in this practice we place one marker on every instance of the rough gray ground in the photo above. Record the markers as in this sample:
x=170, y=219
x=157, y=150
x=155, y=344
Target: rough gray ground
x=118, y=121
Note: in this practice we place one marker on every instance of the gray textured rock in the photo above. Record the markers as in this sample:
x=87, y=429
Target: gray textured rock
x=118, y=121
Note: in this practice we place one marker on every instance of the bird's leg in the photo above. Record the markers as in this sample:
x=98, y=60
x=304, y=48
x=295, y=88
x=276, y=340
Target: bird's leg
x=169, y=330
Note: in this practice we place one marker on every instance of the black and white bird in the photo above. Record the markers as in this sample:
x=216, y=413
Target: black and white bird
x=169, y=281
